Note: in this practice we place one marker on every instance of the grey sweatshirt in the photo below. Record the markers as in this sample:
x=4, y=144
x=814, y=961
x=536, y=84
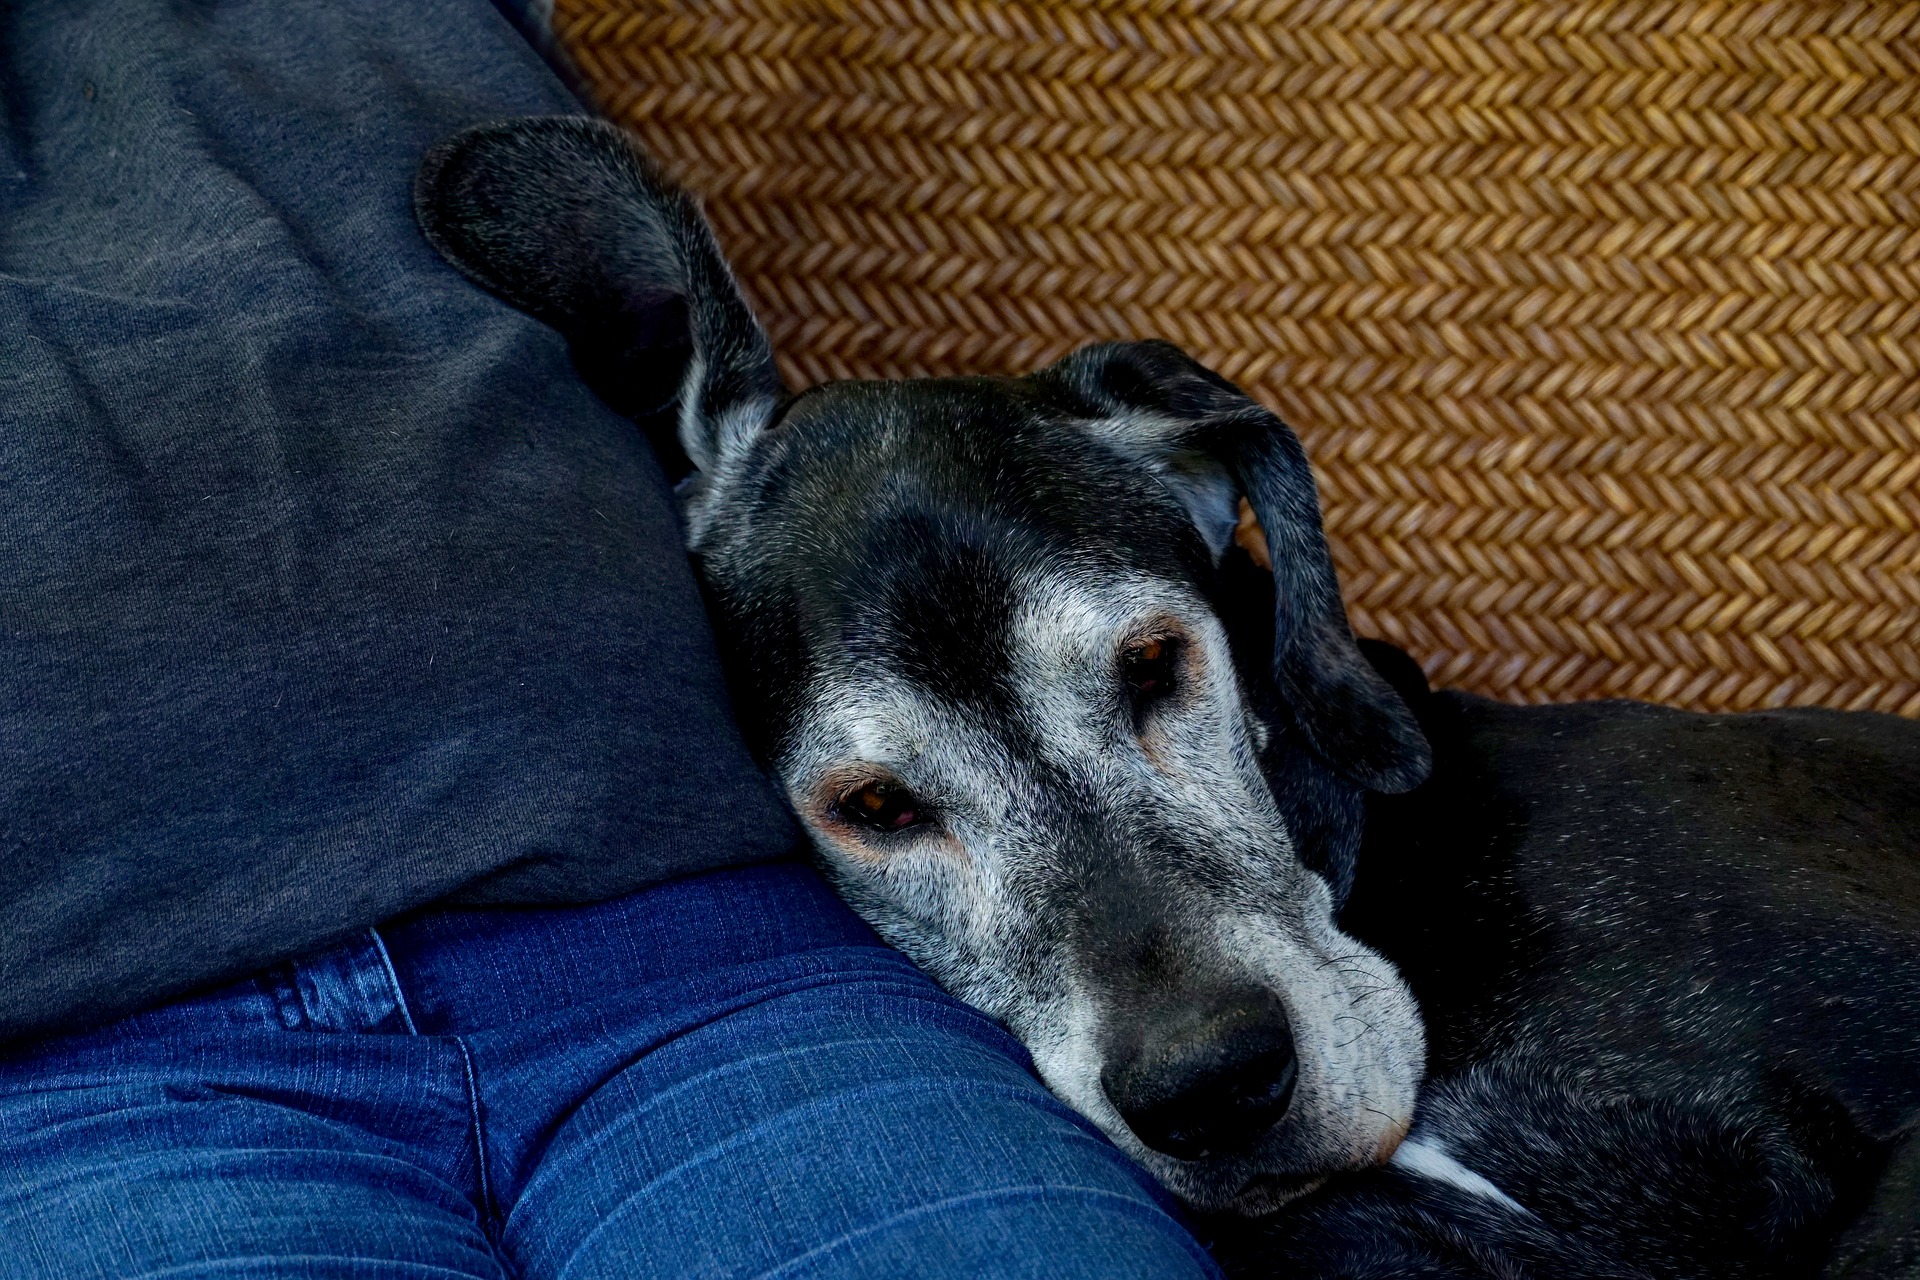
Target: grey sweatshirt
x=326, y=589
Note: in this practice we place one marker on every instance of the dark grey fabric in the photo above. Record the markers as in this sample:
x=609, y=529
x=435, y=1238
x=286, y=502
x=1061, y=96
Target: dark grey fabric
x=326, y=589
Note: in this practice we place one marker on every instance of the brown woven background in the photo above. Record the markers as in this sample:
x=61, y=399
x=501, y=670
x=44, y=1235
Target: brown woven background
x=1601, y=321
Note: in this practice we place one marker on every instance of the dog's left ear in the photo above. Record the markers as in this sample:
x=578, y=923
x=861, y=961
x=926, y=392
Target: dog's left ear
x=1212, y=444
x=563, y=217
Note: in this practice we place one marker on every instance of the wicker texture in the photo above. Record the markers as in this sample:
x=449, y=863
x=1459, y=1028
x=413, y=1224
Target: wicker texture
x=1601, y=320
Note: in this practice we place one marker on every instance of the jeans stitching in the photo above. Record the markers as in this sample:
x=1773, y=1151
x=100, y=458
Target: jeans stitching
x=487, y=1205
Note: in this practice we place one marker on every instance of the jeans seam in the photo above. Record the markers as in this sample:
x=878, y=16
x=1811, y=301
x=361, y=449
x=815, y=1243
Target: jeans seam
x=490, y=1209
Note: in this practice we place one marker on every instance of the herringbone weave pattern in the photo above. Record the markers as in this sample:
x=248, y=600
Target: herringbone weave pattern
x=1600, y=318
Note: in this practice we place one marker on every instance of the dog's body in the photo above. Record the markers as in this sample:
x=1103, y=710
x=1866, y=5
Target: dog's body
x=1005, y=643
x=1670, y=970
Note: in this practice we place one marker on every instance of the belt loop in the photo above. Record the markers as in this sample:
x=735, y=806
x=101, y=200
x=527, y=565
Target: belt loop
x=393, y=980
x=352, y=988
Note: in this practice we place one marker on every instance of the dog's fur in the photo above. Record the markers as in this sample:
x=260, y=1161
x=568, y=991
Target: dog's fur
x=1670, y=968
x=1063, y=742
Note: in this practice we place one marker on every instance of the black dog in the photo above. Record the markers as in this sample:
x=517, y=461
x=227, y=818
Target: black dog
x=1061, y=740
x=1670, y=969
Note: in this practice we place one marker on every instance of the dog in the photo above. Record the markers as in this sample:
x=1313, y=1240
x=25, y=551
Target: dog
x=1056, y=673
x=1669, y=965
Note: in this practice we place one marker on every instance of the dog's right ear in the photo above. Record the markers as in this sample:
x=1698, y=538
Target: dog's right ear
x=563, y=217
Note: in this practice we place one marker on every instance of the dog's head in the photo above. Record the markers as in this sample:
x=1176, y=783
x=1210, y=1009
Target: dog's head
x=1054, y=733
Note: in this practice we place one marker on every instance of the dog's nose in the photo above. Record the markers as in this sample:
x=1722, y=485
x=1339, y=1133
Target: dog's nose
x=1207, y=1086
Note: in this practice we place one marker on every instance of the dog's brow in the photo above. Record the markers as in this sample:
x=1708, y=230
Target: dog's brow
x=1063, y=619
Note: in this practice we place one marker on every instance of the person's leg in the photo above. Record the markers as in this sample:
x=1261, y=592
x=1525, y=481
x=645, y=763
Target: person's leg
x=723, y=1076
x=730, y=1076
x=852, y=1127
x=251, y=1133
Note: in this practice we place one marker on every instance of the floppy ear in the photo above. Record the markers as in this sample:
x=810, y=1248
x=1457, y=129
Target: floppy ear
x=563, y=217
x=1212, y=444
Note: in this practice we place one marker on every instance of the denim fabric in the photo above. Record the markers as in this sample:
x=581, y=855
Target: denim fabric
x=326, y=588
x=722, y=1076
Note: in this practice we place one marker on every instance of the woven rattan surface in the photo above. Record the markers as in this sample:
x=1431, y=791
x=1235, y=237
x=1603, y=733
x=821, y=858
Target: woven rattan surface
x=1601, y=321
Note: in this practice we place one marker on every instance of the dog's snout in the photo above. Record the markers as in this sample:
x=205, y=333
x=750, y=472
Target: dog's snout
x=1206, y=1083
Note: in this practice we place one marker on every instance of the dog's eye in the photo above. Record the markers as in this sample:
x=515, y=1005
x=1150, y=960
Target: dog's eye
x=1148, y=669
x=884, y=806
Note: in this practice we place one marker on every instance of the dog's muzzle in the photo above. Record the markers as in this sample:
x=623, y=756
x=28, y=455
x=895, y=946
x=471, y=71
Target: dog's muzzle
x=1209, y=1077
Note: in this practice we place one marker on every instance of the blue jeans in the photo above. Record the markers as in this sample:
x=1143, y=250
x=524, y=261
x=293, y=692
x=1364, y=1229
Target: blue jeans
x=726, y=1075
